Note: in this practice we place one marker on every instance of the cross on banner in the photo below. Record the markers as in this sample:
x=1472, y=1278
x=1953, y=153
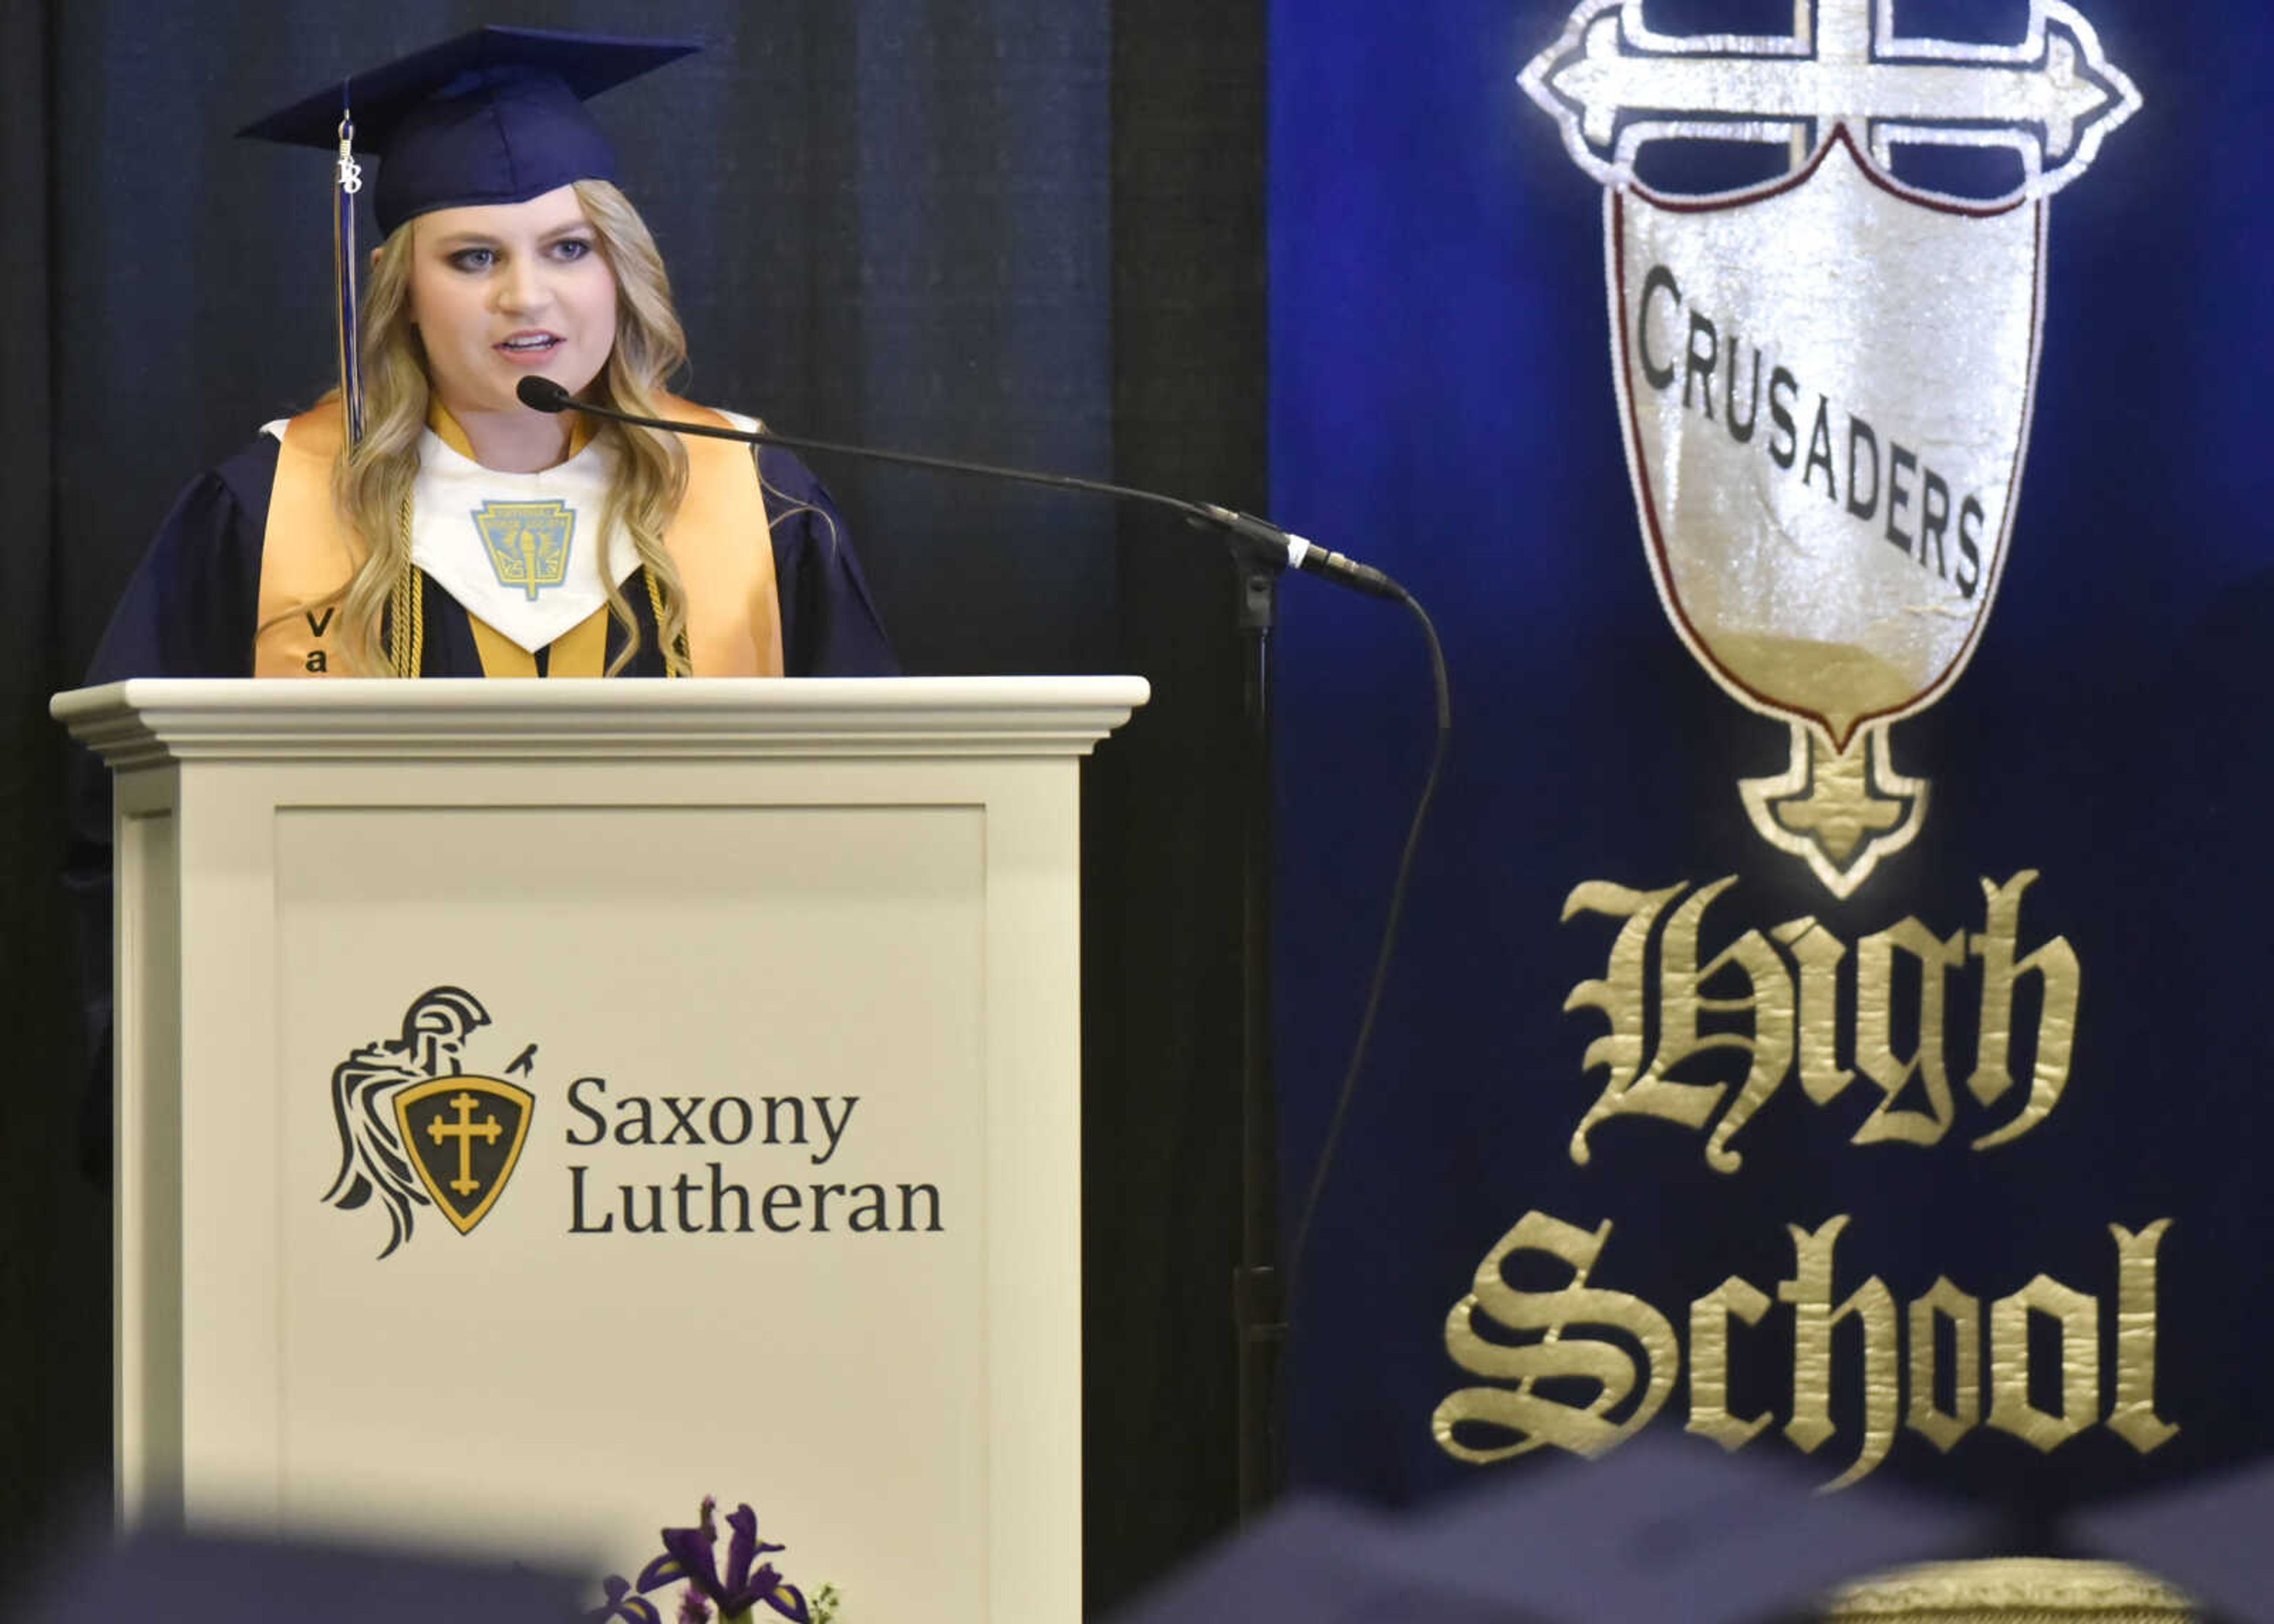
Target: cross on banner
x=1613, y=83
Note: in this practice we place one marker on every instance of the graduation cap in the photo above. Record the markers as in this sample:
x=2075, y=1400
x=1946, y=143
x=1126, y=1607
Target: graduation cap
x=1667, y=1527
x=1664, y=1527
x=195, y=1579
x=496, y=116
x=2208, y=1535
x=1318, y=1561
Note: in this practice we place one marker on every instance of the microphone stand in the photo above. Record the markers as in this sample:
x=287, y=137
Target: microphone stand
x=1262, y=553
x=1259, y=1314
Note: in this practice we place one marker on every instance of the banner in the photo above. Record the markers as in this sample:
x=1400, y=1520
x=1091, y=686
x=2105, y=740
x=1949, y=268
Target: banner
x=1829, y=437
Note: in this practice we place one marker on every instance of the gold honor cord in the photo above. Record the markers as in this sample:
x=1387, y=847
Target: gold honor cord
x=406, y=632
x=406, y=635
x=676, y=662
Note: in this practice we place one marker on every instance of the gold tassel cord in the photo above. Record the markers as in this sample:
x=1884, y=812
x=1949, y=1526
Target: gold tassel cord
x=675, y=661
x=407, y=623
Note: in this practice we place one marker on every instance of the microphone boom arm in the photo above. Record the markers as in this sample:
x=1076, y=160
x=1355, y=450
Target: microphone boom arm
x=1282, y=548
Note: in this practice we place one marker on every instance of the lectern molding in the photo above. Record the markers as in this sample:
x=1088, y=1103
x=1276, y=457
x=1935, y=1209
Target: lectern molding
x=134, y=723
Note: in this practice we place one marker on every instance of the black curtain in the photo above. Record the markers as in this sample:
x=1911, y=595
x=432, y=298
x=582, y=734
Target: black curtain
x=55, y=1270
x=1024, y=230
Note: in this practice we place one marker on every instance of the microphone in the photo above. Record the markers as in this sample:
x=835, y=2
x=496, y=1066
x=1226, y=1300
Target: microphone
x=1282, y=547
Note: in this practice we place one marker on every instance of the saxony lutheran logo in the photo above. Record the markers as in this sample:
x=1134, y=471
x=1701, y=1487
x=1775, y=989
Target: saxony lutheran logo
x=1826, y=379
x=416, y=1130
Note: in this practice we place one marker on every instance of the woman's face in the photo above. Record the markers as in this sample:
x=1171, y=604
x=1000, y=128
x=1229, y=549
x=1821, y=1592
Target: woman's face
x=502, y=290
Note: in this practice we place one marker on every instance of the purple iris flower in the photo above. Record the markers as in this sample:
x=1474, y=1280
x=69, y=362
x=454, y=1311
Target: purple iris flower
x=689, y=1554
x=623, y=1604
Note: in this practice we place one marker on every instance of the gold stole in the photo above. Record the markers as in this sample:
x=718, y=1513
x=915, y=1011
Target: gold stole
x=718, y=540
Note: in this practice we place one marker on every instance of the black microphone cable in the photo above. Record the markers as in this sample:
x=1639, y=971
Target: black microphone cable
x=1440, y=748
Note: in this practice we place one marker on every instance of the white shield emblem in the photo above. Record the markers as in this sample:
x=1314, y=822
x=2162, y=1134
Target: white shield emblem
x=1826, y=380
x=1826, y=386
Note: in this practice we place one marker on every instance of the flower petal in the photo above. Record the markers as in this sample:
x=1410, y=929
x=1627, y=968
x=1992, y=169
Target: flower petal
x=696, y=1562
x=622, y=1604
x=664, y=1570
x=742, y=1549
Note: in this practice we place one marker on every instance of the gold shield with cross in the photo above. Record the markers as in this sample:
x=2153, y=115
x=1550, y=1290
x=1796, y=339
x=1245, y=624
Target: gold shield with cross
x=464, y=1135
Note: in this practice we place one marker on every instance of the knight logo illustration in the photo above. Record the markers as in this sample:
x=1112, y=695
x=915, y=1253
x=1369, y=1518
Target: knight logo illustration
x=418, y=1129
x=1826, y=379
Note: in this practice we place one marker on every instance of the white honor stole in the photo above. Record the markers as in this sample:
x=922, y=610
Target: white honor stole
x=524, y=554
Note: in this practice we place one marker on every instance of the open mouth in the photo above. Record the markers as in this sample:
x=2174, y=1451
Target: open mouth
x=532, y=344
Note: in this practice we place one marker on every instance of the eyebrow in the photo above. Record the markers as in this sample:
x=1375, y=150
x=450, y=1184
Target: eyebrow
x=468, y=238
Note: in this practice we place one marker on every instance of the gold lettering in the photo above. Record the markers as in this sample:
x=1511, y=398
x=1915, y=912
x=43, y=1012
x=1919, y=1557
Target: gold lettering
x=1619, y=996
x=2056, y=967
x=1963, y=1312
x=2011, y=1409
x=1521, y=1338
x=1768, y=1004
x=1873, y=1308
x=1786, y=1018
x=1533, y=1419
x=2133, y=1418
x=1682, y=1004
x=1875, y=1053
x=1709, y=1361
x=1817, y=952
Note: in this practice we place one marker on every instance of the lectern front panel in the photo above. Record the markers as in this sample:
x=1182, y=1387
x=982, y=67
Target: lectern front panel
x=741, y=1210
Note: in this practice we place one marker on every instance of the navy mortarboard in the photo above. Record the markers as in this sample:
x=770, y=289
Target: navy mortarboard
x=496, y=116
x=2209, y=1536
x=1322, y=1562
x=1673, y=1528
x=198, y=1579
x=1664, y=1529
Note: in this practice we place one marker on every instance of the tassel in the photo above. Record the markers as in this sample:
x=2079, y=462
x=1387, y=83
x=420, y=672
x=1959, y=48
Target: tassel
x=347, y=181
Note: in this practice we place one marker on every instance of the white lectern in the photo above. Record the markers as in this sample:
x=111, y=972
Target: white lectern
x=542, y=1103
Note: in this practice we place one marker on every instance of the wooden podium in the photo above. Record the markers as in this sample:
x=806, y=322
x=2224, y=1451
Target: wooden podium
x=543, y=1103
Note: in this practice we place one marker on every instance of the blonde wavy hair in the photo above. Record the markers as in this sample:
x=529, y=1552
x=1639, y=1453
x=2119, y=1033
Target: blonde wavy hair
x=372, y=483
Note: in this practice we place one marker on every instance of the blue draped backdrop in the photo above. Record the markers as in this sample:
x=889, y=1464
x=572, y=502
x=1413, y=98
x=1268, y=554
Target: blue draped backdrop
x=1442, y=406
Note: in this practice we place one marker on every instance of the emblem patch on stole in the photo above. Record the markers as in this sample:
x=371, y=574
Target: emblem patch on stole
x=1826, y=379
x=527, y=542
x=415, y=1130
